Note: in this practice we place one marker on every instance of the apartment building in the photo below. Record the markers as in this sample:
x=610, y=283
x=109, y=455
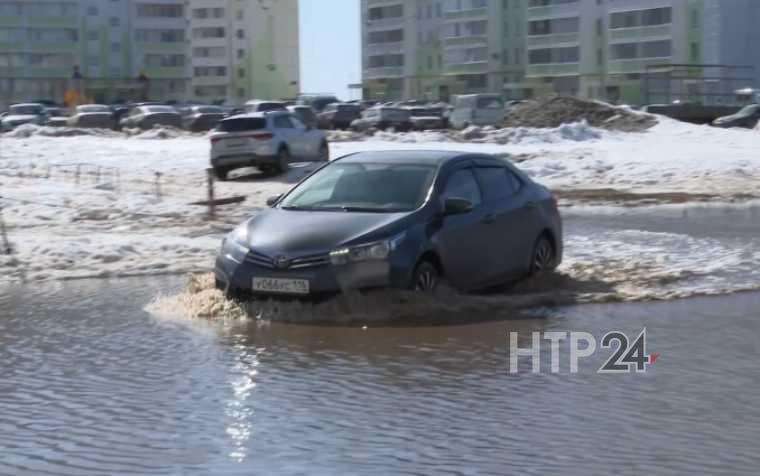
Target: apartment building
x=106, y=50
x=616, y=50
x=242, y=49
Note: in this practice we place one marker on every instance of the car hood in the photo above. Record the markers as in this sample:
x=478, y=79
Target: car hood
x=20, y=117
x=276, y=231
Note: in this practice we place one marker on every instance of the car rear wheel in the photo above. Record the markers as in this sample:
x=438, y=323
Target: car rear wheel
x=324, y=153
x=283, y=159
x=221, y=174
x=426, y=277
x=543, y=258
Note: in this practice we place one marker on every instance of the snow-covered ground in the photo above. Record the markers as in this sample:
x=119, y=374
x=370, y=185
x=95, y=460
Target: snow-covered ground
x=113, y=222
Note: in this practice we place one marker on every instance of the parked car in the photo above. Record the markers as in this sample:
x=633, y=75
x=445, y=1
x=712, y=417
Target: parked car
x=472, y=219
x=426, y=118
x=268, y=141
x=264, y=106
x=339, y=115
x=477, y=109
x=93, y=115
x=27, y=113
x=305, y=114
x=57, y=116
x=202, y=118
x=318, y=102
x=748, y=117
x=383, y=117
x=145, y=117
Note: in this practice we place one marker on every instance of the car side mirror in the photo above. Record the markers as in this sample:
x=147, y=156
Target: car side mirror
x=272, y=200
x=456, y=206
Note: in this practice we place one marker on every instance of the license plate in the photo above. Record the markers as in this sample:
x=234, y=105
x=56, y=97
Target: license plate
x=234, y=142
x=283, y=286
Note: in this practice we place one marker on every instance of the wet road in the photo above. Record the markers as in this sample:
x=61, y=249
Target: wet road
x=90, y=383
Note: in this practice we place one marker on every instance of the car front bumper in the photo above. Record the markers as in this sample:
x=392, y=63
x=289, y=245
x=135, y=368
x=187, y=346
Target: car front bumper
x=235, y=270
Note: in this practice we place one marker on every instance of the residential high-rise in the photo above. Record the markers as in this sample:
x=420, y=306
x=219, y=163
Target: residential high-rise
x=618, y=50
x=205, y=50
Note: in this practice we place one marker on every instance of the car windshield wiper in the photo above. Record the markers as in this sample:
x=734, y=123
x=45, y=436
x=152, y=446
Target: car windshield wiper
x=370, y=209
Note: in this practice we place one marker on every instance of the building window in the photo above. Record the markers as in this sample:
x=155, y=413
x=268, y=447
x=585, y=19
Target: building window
x=160, y=11
x=634, y=19
x=92, y=10
x=114, y=21
x=241, y=73
x=240, y=53
x=239, y=15
x=93, y=35
x=160, y=36
x=115, y=47
x=202, y=71
x=164, y=60
x=212, y=32
x=695, y=19
x=695, y=52
x=554, y=55
x=240, y=34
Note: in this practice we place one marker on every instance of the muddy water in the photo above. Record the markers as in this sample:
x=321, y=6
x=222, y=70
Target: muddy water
x=92, y=383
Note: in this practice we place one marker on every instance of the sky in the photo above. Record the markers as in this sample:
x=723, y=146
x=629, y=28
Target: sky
x=330, y=47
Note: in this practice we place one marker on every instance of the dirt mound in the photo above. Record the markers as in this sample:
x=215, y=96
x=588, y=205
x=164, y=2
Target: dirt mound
x=553, y=111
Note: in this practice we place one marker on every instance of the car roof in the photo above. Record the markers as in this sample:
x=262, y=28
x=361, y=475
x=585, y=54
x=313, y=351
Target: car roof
x=258, y=115
x=432, y=157
x=27, y=104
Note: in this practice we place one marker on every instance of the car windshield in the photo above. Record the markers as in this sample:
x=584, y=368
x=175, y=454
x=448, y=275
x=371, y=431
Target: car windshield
x=354, y=187
x=395, y=113
x=26, y=110
x=490, y=102
x=242, y=124
x=209, y=110
x=159, y=109
x=93, y=109
x=749, y=110
x=268, y=106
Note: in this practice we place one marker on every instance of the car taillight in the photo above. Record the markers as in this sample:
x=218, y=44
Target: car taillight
x=263, y=136
x=214, y=140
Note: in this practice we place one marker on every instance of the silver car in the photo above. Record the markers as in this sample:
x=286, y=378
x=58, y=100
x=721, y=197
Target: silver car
x=266, y=140
x=93, y=115
x=18, y=114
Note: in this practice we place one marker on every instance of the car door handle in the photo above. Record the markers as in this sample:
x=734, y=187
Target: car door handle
x=488, y=219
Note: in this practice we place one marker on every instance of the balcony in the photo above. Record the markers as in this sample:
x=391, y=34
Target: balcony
x=383, y=72
x=154, y=47
x=473, y=67
x=10, y=20
x=557, y=39
x=211, y=80
x=166, y=73
x=384, y=23
x=480, y=40
x=638, y=65
x=557, y=69
x=384, y=48
x=471, y=14
x=642, y=32
x=52, y=22
x=562, y=10
x=69, y=46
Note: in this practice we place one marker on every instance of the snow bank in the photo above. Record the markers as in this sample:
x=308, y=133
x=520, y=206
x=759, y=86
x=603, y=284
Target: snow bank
x=30, y=130
x=575, y=132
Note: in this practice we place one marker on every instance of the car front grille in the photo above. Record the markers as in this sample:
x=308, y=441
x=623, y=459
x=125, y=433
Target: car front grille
x=311, y=261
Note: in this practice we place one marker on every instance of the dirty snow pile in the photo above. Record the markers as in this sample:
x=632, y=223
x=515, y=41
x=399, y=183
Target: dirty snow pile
x=29, y=130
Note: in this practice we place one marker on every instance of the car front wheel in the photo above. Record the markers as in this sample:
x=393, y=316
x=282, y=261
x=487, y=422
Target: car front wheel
x=324, y=153
x=426, y=278
x=543, y=259
x=283, y=161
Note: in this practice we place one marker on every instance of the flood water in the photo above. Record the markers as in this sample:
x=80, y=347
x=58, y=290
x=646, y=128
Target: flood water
x=91, y=384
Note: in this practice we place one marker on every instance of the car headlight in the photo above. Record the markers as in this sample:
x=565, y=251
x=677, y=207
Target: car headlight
x=239, y=236
x=377, y=251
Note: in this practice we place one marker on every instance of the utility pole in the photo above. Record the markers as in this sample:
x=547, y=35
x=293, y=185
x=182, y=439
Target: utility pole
x=3, y=234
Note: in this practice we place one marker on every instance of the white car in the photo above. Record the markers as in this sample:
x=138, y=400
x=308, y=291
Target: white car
x=18, y=114
x=266, y=140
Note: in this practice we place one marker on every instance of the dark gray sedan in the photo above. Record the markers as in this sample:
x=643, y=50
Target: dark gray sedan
x=401, y=219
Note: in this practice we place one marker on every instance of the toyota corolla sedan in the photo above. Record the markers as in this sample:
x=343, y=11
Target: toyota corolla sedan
x=399, y=219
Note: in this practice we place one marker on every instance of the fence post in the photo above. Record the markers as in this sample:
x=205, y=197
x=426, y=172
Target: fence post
x=79, y=171
x=3, y=233
x=210, y=188
x=158, y=185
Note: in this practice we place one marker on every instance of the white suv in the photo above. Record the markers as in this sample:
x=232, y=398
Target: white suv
x=266, y=140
